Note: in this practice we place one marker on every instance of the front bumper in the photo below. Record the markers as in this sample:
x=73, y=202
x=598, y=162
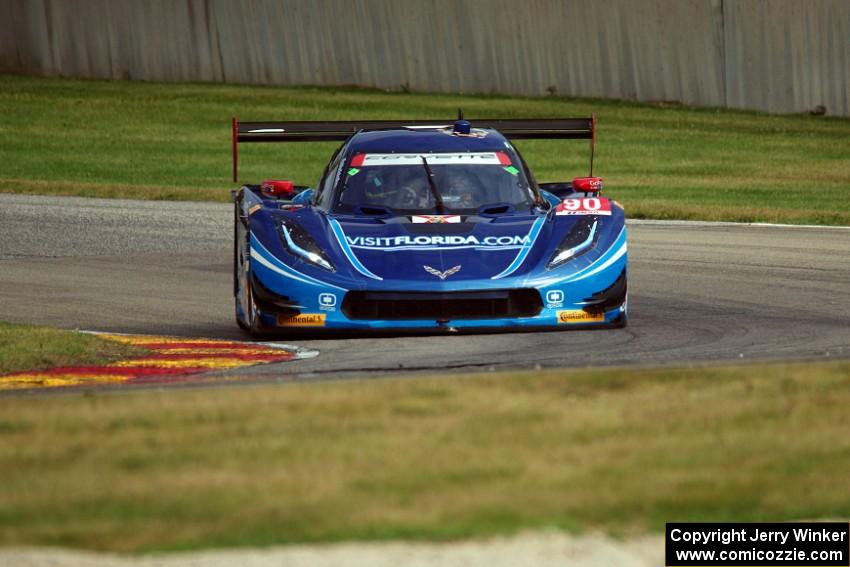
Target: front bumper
x=595, y=296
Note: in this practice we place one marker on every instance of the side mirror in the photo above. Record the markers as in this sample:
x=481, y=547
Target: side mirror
x=560, y=189
x=304, y=196
x=587, y=184
x=277, y=189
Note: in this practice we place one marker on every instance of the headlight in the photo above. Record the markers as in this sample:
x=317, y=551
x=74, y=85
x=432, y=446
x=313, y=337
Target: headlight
x=298, y=243
x=579, y=240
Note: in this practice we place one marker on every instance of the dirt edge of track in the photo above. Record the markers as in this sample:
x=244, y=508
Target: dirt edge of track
x=541, y=549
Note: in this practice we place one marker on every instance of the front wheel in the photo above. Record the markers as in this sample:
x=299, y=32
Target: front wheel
x=622, y=321
x=247, y=315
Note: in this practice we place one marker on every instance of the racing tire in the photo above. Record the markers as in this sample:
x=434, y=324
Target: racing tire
x=622, y=321
x=242, y=289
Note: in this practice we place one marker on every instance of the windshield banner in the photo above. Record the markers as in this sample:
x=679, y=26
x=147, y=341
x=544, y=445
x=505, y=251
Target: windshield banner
x=467, y=158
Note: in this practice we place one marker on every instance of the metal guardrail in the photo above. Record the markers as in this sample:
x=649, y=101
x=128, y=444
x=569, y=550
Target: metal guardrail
x=790, y=56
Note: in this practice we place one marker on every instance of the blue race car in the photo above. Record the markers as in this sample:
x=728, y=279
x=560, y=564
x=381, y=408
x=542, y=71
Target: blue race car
x=426, y=225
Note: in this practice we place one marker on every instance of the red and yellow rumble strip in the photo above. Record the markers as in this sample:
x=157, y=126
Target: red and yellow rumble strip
x=170, y=360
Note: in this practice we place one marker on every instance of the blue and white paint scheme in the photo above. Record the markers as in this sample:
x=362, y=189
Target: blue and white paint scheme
x=316, y=261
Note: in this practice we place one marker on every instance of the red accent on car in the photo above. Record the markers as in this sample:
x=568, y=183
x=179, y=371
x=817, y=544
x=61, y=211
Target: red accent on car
x=588, y=184
x=504, y=159
x=276, y=188
x=584, y=206
x=357, y=160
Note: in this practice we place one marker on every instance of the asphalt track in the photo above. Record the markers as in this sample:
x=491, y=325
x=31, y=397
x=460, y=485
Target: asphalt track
x=699, y=292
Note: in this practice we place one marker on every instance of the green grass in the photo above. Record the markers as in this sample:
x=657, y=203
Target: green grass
x=172, y=141
x=27, y=347
x=623, y=451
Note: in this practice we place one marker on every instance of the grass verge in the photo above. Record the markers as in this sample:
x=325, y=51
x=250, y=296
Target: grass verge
x=618, y=450
x=27, y=347
x=172, y=141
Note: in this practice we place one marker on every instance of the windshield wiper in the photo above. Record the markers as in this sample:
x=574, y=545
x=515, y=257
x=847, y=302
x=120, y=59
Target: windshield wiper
x=438, y=199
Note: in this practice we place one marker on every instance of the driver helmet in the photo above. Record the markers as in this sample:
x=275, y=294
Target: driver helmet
x=461, y=189
x=413, y=191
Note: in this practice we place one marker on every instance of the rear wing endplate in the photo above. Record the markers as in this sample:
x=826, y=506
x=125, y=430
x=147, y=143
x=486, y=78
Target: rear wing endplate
x=339, y=131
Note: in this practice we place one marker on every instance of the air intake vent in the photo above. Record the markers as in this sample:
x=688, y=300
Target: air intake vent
x=492, y=304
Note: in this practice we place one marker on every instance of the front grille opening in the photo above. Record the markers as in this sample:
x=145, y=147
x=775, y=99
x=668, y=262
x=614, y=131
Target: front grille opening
x=438, y=306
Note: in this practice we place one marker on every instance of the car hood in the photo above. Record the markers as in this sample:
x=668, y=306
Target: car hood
x=485, y=249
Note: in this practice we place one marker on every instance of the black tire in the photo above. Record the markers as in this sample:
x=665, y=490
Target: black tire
x=236, y=262
x=242, y=290
x=622, y=321
x=254, y=325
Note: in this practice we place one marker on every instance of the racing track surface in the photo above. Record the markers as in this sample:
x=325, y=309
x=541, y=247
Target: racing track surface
x=698, y=292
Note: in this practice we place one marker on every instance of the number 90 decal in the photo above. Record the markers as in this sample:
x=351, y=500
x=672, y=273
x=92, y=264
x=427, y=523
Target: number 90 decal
x=586, y=206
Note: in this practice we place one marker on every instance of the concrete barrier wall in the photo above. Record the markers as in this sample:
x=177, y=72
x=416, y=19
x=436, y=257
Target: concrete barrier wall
x=772, y=55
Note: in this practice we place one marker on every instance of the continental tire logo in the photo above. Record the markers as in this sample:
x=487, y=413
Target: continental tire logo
x=302, y=320
x=579, y=316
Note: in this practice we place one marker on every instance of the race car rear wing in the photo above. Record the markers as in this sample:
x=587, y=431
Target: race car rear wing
x=339, y=131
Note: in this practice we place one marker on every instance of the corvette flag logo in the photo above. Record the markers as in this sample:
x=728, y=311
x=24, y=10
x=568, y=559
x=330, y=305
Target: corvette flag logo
x=434, y=219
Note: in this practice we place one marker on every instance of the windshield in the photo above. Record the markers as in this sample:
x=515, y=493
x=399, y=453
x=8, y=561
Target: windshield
x=464, y=182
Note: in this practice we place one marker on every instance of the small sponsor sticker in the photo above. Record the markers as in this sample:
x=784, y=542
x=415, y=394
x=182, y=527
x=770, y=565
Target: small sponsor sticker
x=353, y=171
x=554, y=298
x=579, y=316
x=327, y=302
x=586, y=206
x=302, y=320
x=254, y=208
x=512, y=170
x=434, y=219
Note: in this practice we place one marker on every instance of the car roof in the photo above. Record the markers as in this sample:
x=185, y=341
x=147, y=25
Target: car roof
x=438, y=139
